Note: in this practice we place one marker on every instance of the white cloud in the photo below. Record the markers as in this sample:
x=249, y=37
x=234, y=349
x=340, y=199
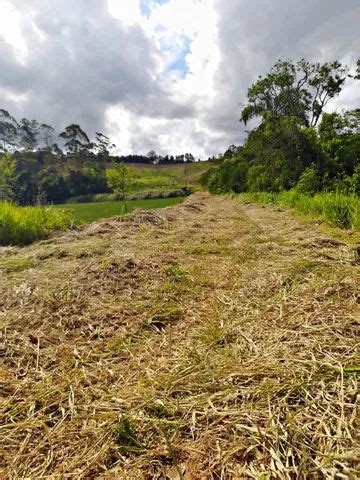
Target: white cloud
x=170, y=80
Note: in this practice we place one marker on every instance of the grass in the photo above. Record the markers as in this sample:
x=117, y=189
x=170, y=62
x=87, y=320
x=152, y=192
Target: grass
x=23, y=225
x=89, y=212
x=150, y=359
x=339, y=210
x=169, y=176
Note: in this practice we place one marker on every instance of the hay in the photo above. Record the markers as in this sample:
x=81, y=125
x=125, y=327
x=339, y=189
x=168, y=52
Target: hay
x=206, y=343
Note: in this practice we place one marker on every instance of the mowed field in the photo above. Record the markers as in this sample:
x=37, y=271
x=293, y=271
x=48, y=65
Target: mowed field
x=89, y=212
x=210, y=340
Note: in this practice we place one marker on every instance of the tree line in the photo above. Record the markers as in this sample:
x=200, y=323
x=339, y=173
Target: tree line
x=297, y=142
x=37, y=165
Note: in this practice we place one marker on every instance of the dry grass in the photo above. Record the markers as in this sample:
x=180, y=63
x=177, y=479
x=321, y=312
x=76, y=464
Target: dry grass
x=205, y=341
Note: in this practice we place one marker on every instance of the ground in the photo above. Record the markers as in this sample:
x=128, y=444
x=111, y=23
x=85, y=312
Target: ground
x=210, y=340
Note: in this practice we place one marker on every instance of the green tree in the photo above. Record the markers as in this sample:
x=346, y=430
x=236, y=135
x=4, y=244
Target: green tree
x=8, y=177
x=119, y=180
x=300, y=90
x=52, y=185
x=77, y=142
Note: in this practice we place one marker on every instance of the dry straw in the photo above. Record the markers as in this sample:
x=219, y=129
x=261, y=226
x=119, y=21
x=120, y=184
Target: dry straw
x=206, y=341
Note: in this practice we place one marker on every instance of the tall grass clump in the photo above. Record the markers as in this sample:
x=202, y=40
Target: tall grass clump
x=23, y=225
x=337, y=209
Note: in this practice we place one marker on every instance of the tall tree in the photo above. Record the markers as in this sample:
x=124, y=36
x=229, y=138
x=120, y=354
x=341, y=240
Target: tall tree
x=46, y=136
x=103, y=145
x=77, y=140
x=301, y=89
x=8, y=131
x=28, y=132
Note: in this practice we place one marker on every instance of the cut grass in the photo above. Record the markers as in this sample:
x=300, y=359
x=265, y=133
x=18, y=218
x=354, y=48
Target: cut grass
x=151, y=360
x=339, y=210
x=23, y=225
x=89, y=212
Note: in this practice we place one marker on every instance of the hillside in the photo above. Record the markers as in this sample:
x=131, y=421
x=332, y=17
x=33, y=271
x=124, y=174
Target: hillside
x=213, y=339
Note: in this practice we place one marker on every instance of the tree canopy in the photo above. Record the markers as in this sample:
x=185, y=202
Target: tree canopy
x=301, y=90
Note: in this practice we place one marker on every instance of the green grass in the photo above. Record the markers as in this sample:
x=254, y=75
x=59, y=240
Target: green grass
x=89, y=212
x=23, y=225
x=339, y=210
x=162, y=176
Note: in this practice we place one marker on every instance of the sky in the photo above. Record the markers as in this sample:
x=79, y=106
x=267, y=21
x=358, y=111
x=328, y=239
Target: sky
x=163, y=75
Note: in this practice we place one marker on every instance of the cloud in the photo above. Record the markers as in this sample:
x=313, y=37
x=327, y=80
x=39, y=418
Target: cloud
x=164, y=75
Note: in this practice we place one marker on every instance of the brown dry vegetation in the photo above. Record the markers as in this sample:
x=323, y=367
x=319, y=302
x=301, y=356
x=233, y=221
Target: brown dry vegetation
x=211, y=340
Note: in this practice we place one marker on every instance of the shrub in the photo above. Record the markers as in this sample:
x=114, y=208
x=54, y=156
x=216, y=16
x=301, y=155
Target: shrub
x=309, y=182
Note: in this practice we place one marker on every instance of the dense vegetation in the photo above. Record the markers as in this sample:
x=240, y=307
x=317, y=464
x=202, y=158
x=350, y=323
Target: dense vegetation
x=335, y=208
x=297, y=144
x=23, y=225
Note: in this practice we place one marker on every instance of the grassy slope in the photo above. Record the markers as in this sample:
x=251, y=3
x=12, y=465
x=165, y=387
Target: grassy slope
x=170, y=176
x=89, y=212
x=210, y=340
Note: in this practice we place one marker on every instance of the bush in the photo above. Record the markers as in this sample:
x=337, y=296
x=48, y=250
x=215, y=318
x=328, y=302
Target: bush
x=309, y=182
x=23, y=225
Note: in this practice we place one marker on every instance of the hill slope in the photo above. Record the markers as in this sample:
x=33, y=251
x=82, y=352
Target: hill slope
x=208, y=340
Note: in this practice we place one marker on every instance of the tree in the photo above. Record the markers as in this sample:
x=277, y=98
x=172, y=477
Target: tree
x=46, y=135
x=357, y=75
x=8, y=177
x=52, y=186
x=153, y=156
x=8, y=131
x=77, y=140
x=301, y=90
x=103, y=146
x=28, y=132
x=119, y=179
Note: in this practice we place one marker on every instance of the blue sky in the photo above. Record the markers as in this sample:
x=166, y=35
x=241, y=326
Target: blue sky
x=145, y=6
x=180, y=63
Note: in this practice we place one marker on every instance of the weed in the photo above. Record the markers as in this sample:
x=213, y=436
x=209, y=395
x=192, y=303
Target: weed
x=339, y=210
x=126, y=438
x=23, y=225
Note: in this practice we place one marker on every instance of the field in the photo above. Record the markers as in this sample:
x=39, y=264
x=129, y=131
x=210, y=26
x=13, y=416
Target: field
x=166, y=178
x=89, y=212
x=215, y=339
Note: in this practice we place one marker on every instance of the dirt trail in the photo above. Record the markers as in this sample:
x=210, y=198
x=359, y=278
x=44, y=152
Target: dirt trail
x=211, y=340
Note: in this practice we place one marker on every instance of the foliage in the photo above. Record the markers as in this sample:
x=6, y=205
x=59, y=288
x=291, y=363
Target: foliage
x=77, y=140
x=8, y=177
x=309, y=181
x=287, y=149
x=23, y=225
x=119, y=179
x=300, y=90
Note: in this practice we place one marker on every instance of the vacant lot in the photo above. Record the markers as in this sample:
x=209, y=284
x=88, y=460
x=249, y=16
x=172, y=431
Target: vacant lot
x=210, y=340
x=89, y=212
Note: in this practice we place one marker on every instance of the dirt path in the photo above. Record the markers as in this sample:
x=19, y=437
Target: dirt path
x=211, y=340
